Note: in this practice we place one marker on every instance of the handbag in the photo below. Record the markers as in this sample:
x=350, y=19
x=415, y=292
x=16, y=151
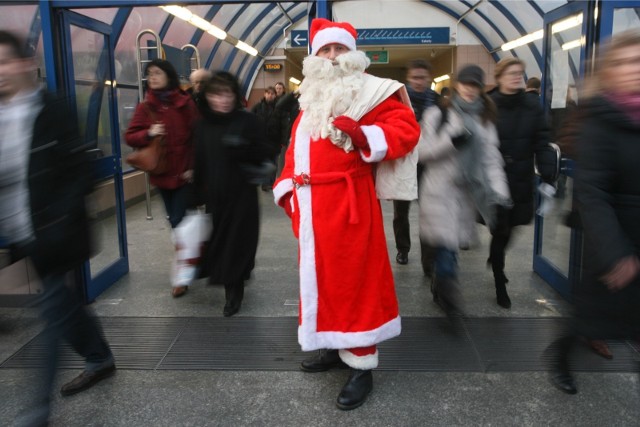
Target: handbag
x=152, y=158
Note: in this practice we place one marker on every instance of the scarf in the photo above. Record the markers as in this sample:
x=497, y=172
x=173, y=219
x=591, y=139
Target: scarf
x=629, y=103
x=164, y=96
x=470, y=157
x=420, y=101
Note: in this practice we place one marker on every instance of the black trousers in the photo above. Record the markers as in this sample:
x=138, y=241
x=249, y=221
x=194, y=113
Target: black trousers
x=401, y=228
x=500, y=238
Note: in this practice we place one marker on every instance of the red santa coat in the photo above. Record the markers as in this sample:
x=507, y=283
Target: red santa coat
x=347, y=293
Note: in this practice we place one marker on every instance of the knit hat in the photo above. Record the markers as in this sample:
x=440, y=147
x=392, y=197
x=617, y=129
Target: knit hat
x=324, y=32
x=471, y=74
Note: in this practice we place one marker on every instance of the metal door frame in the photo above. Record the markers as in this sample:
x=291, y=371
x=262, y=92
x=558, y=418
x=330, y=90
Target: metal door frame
x=108, y=167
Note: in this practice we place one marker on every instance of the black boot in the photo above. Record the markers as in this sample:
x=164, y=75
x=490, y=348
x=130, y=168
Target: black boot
x=234, y=293
x=557, y=355
x=447, y=295
x=323, y=361
x=355, y=391
x=501, y=290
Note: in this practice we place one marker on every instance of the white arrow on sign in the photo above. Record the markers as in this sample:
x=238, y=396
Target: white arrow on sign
x=299, y=40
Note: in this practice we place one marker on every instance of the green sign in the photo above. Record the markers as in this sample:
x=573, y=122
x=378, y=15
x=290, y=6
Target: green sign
x=378, y=56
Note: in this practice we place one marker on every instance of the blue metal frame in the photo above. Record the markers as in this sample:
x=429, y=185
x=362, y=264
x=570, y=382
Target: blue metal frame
x=471, y=28
x=541, y=265
x=607, y=9
x=107, y=167
x=275, y=38
x=231, y=57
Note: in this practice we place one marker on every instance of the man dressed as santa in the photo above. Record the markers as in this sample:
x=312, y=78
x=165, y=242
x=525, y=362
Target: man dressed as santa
x=350, y=122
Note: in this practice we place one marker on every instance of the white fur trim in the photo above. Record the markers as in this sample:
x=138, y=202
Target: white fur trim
x=370, y=361
x=310, y=339
x=332, y=35
x=377, y=144
x=283, y=187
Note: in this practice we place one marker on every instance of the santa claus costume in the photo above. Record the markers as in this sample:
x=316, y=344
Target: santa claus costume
x=350, y=122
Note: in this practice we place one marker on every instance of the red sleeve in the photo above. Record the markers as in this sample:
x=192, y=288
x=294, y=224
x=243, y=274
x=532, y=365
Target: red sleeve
x=283, y=185
x=391, y=129
x=136, y=134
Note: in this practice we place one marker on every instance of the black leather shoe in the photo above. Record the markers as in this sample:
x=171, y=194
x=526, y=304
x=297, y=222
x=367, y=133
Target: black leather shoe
x=230, y=309
x=402, y=258
x=356, y=390
x=563, y=381
x=86, y=379
x=323, y=361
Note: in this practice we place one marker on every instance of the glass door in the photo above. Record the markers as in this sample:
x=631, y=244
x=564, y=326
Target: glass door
x=88, y=71
x=557, y=246
x=618, y=16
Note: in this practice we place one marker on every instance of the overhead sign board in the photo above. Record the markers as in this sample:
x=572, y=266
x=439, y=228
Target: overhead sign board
x=378, y=56
x=272, y=67
x=386, y=36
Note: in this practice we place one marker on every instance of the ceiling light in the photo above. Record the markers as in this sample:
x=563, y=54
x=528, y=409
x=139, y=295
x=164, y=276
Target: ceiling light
x=294, y=80
x=572, y=44
x=217, y=32
x=522, y=40
x=178, y=11
x=441, y=78
x=563, y=25
x=245, y=47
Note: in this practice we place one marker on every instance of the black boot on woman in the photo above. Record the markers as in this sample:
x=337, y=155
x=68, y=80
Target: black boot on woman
x=356, y=390
x=501, y=290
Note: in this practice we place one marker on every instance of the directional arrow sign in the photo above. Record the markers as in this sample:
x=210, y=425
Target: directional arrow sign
x=299, y=38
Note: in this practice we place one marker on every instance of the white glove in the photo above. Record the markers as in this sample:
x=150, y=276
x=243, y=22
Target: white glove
x=547, y=191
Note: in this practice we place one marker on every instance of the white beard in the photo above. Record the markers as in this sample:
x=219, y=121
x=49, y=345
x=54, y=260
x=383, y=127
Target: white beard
x=327, y=92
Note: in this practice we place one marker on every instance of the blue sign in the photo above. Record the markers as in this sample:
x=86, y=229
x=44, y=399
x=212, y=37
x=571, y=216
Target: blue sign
x=299, y=38
x=386, y=36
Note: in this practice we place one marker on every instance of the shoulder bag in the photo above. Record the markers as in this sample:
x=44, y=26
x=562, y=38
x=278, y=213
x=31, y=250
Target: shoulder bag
x=152, y=158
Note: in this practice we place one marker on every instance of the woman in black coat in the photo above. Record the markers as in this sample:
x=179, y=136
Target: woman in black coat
x=607, y=183
x=230, y=144
x=523, y=133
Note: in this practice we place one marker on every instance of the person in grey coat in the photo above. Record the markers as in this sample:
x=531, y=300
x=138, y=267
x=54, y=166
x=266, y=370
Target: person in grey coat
x=463, y=173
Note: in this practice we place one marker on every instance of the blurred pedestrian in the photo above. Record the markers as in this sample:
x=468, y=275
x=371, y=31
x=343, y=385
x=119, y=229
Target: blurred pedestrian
x=524, y=138
x=198, y=80
x=169, y=111
x=347, y=297
x=463, y=172
x=533, y=87
x=607, y=181
x=287, y=110
x=280, y=90
x=44, y=178
x=419, y=79
x=230, y=151
x=266, y=111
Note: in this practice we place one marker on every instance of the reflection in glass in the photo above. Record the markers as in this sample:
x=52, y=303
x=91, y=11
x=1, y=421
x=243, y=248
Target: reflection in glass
x=556, y=235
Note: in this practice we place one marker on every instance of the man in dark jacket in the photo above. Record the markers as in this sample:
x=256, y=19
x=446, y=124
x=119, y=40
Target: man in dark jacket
x=265, y=109
x=44, y=178
x=419, y=78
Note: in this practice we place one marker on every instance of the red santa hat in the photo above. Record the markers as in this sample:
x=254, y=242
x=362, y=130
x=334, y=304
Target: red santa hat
x=324, y=32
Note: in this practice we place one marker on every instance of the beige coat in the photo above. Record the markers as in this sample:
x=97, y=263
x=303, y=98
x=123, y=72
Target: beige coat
x=447, y=209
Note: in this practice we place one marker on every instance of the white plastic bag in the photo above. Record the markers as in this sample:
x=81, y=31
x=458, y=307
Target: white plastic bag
x=189, y=238
x=547, y=202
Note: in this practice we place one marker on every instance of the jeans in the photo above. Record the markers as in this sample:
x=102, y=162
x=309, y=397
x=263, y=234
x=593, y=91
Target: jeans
x=175, y=203
x=446, y=263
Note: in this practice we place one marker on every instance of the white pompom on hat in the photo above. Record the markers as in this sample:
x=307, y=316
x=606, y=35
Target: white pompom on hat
x=324, y=32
